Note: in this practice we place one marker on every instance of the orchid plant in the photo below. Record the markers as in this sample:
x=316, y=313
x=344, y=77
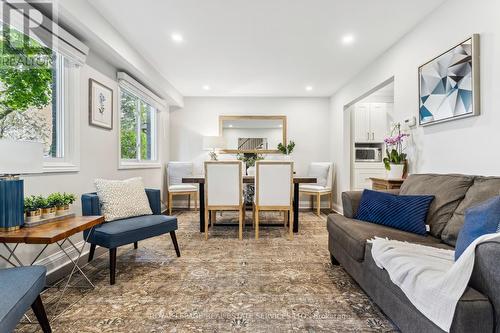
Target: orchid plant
x=395, y=147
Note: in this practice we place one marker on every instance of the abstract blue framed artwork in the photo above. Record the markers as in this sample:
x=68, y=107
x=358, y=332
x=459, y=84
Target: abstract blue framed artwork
x=449, y=84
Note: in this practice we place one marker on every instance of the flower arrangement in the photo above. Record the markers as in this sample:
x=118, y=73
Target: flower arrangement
x=286, y=150
x=395, y=147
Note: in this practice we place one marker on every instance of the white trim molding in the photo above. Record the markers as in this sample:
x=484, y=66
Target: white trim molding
x=129, y=83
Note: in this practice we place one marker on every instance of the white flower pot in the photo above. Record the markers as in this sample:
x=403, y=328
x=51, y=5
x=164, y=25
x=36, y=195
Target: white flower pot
x=251, y=171
x=396, y=171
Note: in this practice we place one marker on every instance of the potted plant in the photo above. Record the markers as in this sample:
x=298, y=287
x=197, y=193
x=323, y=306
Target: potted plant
x=48, y=208
x=67, y=200
x=32, y=212
x=286, y=150
x=249, y=160
x=395, y=161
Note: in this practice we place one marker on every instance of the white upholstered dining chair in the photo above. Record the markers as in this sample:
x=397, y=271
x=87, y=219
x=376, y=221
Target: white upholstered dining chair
x=224, y=190
x=323, y=172
x=175, y=172
x=274, y=191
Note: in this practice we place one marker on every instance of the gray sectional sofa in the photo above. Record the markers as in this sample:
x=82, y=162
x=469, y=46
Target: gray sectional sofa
x=479, y=308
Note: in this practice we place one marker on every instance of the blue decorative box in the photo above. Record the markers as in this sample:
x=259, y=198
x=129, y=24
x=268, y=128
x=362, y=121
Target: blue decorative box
x=11, y=204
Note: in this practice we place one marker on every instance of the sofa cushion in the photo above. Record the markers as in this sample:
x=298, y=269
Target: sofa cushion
x=353, y=234
x=479, y=220
x=403, y=212
x=19, y=288
x=481, y=190
x=121, y=199
x=134, y=229
x=448, y=192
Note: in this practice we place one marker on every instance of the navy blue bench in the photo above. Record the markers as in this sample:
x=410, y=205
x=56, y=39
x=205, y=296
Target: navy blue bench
x=20, y=288
x=127, y=231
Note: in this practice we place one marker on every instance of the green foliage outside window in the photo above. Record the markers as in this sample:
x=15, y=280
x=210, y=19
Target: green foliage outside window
x=26, y=83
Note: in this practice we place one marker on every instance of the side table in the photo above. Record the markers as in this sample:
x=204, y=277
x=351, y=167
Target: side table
x=386, y=184
x=57, y=232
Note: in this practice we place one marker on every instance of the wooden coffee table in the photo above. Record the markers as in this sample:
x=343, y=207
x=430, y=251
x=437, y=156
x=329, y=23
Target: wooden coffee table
x=57, y=232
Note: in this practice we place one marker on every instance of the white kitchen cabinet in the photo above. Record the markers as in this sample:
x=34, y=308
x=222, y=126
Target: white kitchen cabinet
x=361, y=122
x=370, y=122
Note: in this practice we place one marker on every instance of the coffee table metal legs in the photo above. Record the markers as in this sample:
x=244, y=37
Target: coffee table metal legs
x=65, y=250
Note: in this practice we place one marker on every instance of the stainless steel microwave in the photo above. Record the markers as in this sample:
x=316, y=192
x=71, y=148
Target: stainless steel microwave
x=368, y=154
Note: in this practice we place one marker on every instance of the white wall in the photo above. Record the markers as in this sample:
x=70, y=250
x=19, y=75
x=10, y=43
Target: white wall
x=462, y=146
x=98, y=156
x=307, y=118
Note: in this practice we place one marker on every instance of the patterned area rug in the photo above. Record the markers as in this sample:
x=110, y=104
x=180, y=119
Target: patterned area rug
x=221, y=285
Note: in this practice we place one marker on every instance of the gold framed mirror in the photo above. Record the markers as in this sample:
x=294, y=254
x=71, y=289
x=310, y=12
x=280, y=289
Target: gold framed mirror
x=252, y=134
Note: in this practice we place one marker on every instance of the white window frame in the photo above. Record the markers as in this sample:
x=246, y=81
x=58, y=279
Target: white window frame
x=68, y=120
x=131, y=86
x=138, y=163
x=74, y=53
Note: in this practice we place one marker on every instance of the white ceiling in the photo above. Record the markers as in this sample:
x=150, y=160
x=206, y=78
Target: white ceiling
x=262, y=47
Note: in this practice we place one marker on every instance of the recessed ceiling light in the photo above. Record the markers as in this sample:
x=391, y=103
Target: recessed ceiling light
x=177, y=38
x=348, y=39
x=309, y=88
x=206, y=87
x=230, y=125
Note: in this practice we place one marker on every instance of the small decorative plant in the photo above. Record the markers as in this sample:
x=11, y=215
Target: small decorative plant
x=249, y=159
x=61, y=201
x=32, y=209
x=395, y=147
x=56, y=200
x=30, y=204
x=69, y=198
x=288, y=149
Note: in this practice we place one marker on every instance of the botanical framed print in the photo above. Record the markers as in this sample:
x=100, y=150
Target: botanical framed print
x=449, y=84
x=100, y=105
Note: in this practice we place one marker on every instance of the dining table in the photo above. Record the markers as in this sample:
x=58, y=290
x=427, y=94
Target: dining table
x=297, y=180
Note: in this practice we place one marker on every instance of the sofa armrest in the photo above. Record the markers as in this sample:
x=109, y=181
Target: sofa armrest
x=351, y=199
x=154, y=197
x=485, y=276
x=91, y=205
x=350, y=203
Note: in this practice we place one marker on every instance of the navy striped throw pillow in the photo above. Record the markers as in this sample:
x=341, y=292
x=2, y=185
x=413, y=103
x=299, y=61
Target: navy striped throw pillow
x=403, y=212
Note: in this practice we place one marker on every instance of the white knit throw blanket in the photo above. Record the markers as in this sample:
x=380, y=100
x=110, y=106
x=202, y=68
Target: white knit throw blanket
x=429, y=277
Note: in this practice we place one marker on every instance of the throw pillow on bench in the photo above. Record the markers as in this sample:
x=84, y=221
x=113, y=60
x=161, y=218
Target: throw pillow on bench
x=403, y=212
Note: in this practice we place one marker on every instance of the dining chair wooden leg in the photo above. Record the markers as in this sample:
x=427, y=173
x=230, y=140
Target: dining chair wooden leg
x=256, y=223
x=189, y=202
x=318, y=203
x=240, y=231
x=170, y=202
x=312, y=202
x=253, y=216
x=213, y=217
x=196, y=201
x=290, y=225
x=286, y=217
x=206, y=222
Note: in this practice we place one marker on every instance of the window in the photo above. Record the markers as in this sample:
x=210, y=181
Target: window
x=138, y=131
x=30, y=91
x=38, y=89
